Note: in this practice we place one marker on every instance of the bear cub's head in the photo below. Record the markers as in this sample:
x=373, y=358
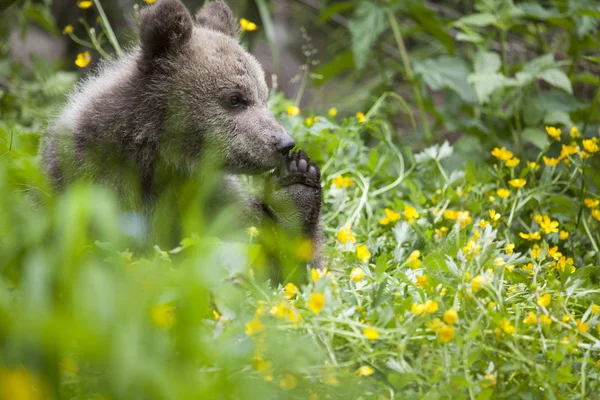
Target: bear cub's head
x=214, y=92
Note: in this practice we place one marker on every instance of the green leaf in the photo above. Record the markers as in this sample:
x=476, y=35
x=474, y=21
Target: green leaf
x=368, y=23
x=336, y=8
x=558, y=79
x=537, y=137
x=341, y=63
x=431, y=23
x=479, y=20
x=447, y=72
x=486, y=79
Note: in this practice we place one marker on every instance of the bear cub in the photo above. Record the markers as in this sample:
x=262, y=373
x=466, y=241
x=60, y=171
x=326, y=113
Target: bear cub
x=187, y=96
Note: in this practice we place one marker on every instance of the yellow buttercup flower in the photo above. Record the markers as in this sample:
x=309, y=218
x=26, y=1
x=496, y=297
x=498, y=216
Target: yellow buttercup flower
x=431, y=306
x=163, y=315
x=332, y=112
x=596, y=214
x=509, y=248
x=553, y=132
x=253, y=231
x=83, y=59
x=513, y=162
x=421, y=281
x=365, y=370
x=357, y=274
x=530, y=236
x=316, y=302
x=370, y=333
x=363, y=254
x=533, y=165
x=582, y=327
x=308, y=122
x=290, y=290
x=451, y=316
x=446, y=334
x=545, y=320
x=518, y=183
x=595, y=309
x=502, y=154
x=441, y=232
x=551, y=162
x=345, y=235
x=360, y=116
x=546, y=224
x=591, y=203
x=390, y=216
x=417, y=309
x=414, y=260
x=544, y=301
x=575, y=133
x=288, y=382
x=292, y=111
x=531, y=318
x=564, y=235
x=68, y=29
x=591, y=145
x=494, y=216
x=341, y=181
x=254, y=326
x=410, y=213
x=503, y=193
x=248, y=26
x=150, y=1
x=85, y=4
x=507, y=327
x=477, y=283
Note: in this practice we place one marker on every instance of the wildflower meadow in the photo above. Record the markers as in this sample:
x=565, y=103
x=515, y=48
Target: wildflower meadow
x=459, y=163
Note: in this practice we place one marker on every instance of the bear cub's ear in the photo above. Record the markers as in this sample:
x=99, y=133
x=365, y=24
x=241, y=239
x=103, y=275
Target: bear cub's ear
x=164, y=28
x=217, y=16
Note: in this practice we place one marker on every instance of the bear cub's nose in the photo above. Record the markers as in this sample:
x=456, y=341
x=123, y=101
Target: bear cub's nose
x=285, y=145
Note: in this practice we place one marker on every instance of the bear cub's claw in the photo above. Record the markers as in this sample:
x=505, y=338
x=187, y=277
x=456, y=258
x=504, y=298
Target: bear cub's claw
x=298, y=168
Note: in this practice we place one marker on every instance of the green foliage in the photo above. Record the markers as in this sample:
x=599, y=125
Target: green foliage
x=447, y=276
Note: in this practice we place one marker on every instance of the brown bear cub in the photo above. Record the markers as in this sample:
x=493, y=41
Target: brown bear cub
x=188, y=96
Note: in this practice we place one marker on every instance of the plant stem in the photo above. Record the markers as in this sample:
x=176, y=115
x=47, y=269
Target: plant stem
x=107, y=28
x=410, y=76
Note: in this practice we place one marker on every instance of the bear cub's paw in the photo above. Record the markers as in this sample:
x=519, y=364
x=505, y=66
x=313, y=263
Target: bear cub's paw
x=298, y=168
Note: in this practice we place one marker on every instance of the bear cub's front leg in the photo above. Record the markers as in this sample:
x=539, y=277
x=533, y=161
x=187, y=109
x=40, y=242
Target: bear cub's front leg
x=296, y=199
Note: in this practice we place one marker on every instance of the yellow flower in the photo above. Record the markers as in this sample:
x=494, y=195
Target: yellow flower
x=421, y=281
x=345, y=235
x=84, y=4
x=567, y=318
x=531, y=318
x=491, y=380
x=546, y=223
x=341, y=181
x=435, y=324
x=530, y=236
x=293, y=111
x=551, y=162
x=477, y=283
x=513, y=162
x=446, y=334
x=509, y=248
x=316, y=302
x=417, y=309
x=582, y=327
x=360, y=116
x=590, y=145
x=370, y=333
x=390, y=216
x=507, y=327
x=288, y=382
x=254, y=326
x=314, y=274
x=544, y=301
x=441, y=232
x=248, y=26
x=332, y=112
x=494, y=215
x=595, y=309
x=290, y=290
x=554, y=253
x=518, y=183
x=365, y=370
x=363, y=253
x=357, y=274
x=503, y=193
x=410, y=213
x=431, y=306
x=502, y=154
x=596, y=214
x=309, y=122
x=567, y=151
x=483, y=223
x=553, y=132
x=19, y=384
x=491, y=304
x=564, y=235
x=451, y=316
x=591, y=203
x=575, y=133
x=68, y=29
x=253, y=231
x=83, y=59
x=414, y=259
x=533, y=165
x=546, y=320
x=163, y=315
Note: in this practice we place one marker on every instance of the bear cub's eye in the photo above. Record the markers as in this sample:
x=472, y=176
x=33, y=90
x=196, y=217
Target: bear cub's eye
x=237, y=101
